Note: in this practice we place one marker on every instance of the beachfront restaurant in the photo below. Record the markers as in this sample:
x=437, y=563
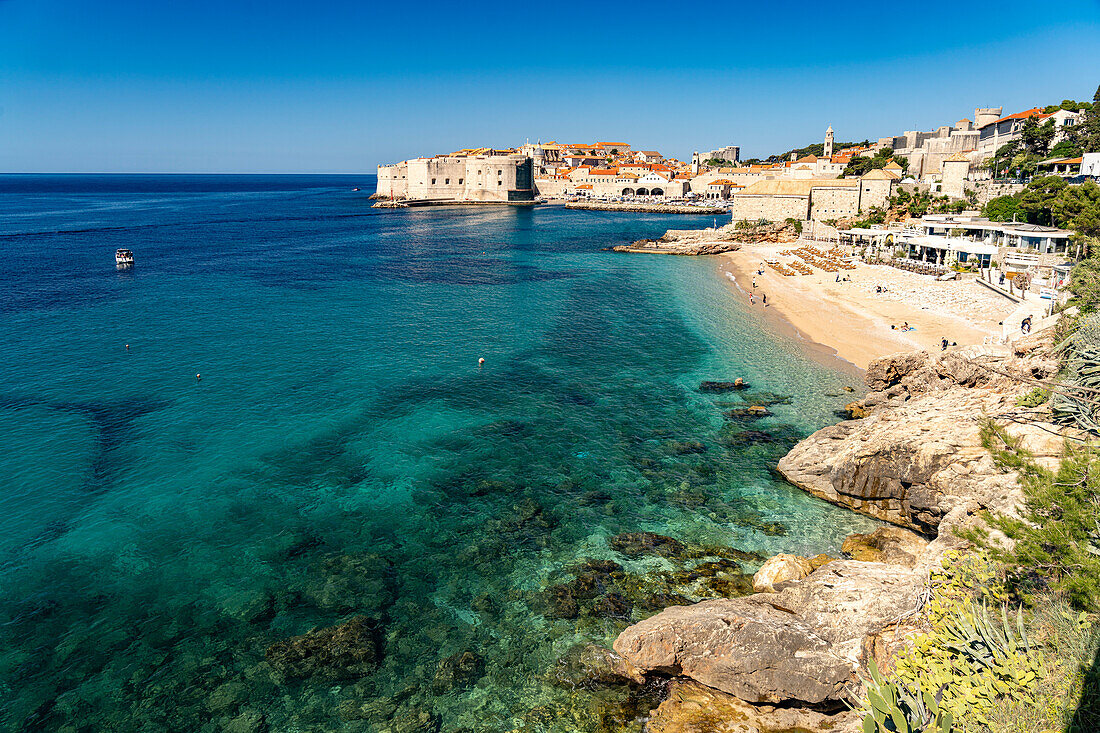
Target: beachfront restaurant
x=949, y=250
x=1023, y=237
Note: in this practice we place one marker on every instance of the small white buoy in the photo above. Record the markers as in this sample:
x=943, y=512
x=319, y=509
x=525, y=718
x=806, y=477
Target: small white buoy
x=127, y=347
x=481, y=361
x=198, y=377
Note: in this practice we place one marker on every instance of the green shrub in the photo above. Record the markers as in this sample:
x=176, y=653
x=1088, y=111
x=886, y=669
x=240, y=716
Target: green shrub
x=1034, y=398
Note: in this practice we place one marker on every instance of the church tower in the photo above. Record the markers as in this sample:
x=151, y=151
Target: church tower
x=829, y=142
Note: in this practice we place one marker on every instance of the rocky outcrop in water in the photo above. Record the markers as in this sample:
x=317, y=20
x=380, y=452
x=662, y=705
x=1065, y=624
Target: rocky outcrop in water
x=345, y=651
x=726, y=238
x=915, y=459
x=918, y=452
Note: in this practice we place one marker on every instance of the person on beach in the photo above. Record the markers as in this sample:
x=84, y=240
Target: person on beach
x=943, y=344
x=752, y=300
x=754, y=283
x=765, y=297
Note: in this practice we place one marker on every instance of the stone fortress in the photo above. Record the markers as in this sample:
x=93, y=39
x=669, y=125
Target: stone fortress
x=475, y=176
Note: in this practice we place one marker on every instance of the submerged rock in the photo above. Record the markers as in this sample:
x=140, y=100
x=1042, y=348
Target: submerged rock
x=639, y=544
x=459, y=670
x=752, y=412
x=722, y=387
x=686, y=447
x=587, y=666
x=613, y=605
x=348, y=650
x=780, y=569
x=362, y=582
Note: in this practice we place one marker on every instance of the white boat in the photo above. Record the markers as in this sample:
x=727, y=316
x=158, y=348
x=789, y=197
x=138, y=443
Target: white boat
x=124, y=257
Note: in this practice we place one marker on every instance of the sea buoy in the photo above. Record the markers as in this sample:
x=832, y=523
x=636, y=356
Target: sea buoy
x=481, y=361
x=198, y=377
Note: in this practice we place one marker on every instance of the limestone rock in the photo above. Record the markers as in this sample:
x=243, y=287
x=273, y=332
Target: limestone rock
x=918, y=454
x=846, y=600
x=780, y=569
x=749, y=649
x=348, y=650
x=694, y=708
x=891, y=545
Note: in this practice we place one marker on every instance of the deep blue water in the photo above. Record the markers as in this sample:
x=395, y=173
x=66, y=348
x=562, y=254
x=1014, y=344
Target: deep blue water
x=344, y=454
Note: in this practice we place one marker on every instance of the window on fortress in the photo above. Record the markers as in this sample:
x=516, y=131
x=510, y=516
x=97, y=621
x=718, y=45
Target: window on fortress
x=500, y=183
x=460, y=181
x=500, y=173
x=446, y=180
x=433, y=181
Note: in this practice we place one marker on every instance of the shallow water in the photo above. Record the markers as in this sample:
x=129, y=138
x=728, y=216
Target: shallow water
x=344, y=455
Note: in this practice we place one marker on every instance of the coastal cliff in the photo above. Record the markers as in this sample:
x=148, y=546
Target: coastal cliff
x=913, y=457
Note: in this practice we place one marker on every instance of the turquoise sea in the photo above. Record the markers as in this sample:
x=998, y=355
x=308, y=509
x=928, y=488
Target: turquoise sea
x=344, y=456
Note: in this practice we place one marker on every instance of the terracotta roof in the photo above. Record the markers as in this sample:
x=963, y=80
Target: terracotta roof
x=878, y=174
x=585, y=185
x=1033, y=112
x=603, y=171
x=612, y=145
x=721, y=182
x=893, y=166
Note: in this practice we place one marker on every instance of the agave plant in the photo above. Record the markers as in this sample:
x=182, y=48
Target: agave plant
x=1076, y=405
x=893, y=707
x=974, y=634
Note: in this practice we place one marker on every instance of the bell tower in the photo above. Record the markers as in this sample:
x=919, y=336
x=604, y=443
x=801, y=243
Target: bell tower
x=829, y=142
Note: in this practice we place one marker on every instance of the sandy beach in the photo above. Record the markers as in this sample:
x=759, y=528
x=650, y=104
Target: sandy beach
x=854, y=320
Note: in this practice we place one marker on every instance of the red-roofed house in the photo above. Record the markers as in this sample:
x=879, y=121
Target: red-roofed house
x=992, y=135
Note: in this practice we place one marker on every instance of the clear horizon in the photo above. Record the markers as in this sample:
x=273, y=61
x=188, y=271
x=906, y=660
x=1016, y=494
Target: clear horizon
x=235, y=88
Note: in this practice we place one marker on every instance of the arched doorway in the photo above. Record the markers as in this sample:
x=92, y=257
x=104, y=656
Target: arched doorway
x=643, y=191
x=657, y=192
x=628, y=192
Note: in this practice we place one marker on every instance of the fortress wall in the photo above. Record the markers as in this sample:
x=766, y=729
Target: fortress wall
x=393, y=180
x=771, y=207
x=829, y=202
x=436, y=178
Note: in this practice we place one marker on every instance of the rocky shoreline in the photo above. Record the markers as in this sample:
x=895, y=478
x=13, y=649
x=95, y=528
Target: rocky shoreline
x=728, y=238
x=792, y=656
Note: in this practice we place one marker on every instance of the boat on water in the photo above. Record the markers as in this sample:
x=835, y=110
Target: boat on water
x=124, y=257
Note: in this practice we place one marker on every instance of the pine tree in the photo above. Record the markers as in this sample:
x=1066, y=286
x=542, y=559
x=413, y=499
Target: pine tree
x=1090, y=138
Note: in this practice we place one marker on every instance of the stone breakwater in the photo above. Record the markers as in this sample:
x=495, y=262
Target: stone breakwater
x=790, y=658
x=677, y=248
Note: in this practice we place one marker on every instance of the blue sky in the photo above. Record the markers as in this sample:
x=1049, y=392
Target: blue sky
x=339, y=86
